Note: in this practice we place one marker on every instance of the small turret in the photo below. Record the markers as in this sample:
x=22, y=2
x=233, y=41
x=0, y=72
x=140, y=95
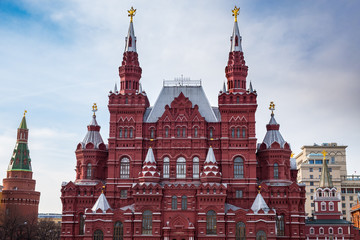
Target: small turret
x=149, y=172
x=211, y=172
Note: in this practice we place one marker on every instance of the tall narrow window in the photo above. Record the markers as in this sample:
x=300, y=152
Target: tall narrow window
x=174, y=203
x=211, y=133
x=125, y=133
x=240, y=231
x=98, y=235
x=184, y=132
x=238, y=167
x=238, y=132
x=120, y=133
x=196, y=167
x=81, y=224
x=166, y=167
x=280, y=225
x=331, y=206
x=183, y=203
x=131, y=133
x=178, y=132
x=181, y=168
x=233, y=132
x=211, y=222
x=152, y=134
x=244, y=132
x=118, y=231
x=276, y=171
x=166, y=132
x=147, y=223
x=196, y=132
x=323, y=206
x=124, y=168
x=261, y=235
x=88, y=171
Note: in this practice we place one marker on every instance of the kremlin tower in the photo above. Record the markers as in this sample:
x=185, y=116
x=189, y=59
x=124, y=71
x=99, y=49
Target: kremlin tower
x=19, y=197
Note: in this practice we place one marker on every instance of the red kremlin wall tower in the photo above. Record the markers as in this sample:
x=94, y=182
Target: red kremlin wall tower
x=19, y=199
x=182, y=169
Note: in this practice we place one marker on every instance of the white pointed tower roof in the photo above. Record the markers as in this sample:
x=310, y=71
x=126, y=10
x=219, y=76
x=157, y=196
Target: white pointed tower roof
x=211, y=172
x=130, y=40
x=101, y=203
x=259, y=203
x=235, y=38
x=149, y=172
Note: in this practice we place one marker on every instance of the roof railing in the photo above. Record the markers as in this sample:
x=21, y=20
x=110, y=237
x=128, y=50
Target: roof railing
x=182, y=81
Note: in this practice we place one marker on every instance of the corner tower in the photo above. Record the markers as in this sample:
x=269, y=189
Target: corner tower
x=19, y=196
x=236, y=69
x=130, y=70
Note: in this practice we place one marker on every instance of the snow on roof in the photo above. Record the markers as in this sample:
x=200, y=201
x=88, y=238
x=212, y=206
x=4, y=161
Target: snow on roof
x=101, y=203
x=259, y=203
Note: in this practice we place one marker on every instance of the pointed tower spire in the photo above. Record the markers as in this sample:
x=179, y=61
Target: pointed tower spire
x=149, y=172
x=93, y=135
x=130, y=70
x=236, y=70
x=251, y=88
x=211, y=172
x=224, y=88
x=20, y=160
x=325, y=180
x=115, y=88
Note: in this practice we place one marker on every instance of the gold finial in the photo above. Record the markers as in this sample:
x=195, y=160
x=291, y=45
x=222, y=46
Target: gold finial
x=25, y=112
x=102, y=189
x=235, y=12
x=259, y=189
x=94, y=108
x=292, y=155
x=131, y=13
x=324, y=153
x=272, y=107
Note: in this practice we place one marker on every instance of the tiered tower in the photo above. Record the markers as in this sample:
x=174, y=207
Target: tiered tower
x=19, y=197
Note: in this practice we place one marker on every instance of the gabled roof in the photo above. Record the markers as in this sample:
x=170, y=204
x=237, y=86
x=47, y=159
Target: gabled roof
x=195, y=94
x=101, y=204
x=259, y=203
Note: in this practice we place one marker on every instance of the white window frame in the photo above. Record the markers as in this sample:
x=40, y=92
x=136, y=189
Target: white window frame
x=181, y=168
x=166, y=167
x=196, y=167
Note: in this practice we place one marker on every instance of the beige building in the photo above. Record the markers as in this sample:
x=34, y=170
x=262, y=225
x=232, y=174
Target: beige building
x=309, y=164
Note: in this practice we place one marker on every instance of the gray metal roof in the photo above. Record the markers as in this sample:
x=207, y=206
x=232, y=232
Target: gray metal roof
x=195, y=94
x=236, y=46
x=92, y=136
x=130, y=46
x=272, y=136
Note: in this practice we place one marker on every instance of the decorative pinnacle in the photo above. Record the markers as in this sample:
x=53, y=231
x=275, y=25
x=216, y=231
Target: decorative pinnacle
x=259, y=189
x=102, y=189
x=235, y=12
x=131, y=13
x=25, y=112
x=94, y=108
x=324, y=154
x=272, y=108
x=292, y=155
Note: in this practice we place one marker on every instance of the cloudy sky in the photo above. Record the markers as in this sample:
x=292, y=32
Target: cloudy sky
x=58, y=58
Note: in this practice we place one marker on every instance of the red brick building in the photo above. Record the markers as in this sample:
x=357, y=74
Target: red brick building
x=328, y=222
x=182, y=169
x=19, y=199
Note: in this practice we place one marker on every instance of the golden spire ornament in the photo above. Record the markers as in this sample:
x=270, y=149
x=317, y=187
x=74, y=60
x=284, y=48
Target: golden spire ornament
x=235, y=12
x=94, y=108
x=272, y=108
x=324, y=154
x=25, y=113
x=131, y=13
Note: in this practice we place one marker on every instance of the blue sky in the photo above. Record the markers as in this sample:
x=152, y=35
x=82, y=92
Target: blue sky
x=58, y=58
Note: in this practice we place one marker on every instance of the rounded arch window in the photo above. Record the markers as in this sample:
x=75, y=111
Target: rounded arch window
x=196, y=167
x=118, y=231
x=331, y=206
x=181, y=168
x=276, y=171
x=174, y=203
x=211, y=222
x=238, y=167
x=261, y=235
x=88, y=171
x=125, y=168
x=183, y=203
x=240, y=231
x=98, y=235
x=147, y=222
x=166, y=167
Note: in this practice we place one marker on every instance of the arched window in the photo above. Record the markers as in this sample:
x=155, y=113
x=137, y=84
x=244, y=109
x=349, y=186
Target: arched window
x=125, y=133
x=340, y=230
x=195, y=132
x=183, y=203
x=331, y=231
x=118, y=231
x=178, y=132
x=261, y=235
x=238, y=132
x=323, y=206
x=331, y=206
x=166, y=132
x=181, y=168
x=166, y=167
x=276, y=171
x=174, y=203
x=233, y=132
x=321, y=230
x=240, y=231
x=152, y=133
x=147, y=222
x=98, y=235
x=184, y=132
x=196, y=167
x=81, y=224
x=211, y=133
x=88, y=171
x=124, y=168
x=312, y=231
x=238, y=167
x=131, y=133
x=280, y=225
x=244, y=132
x=120, y=133
x=211, y=222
